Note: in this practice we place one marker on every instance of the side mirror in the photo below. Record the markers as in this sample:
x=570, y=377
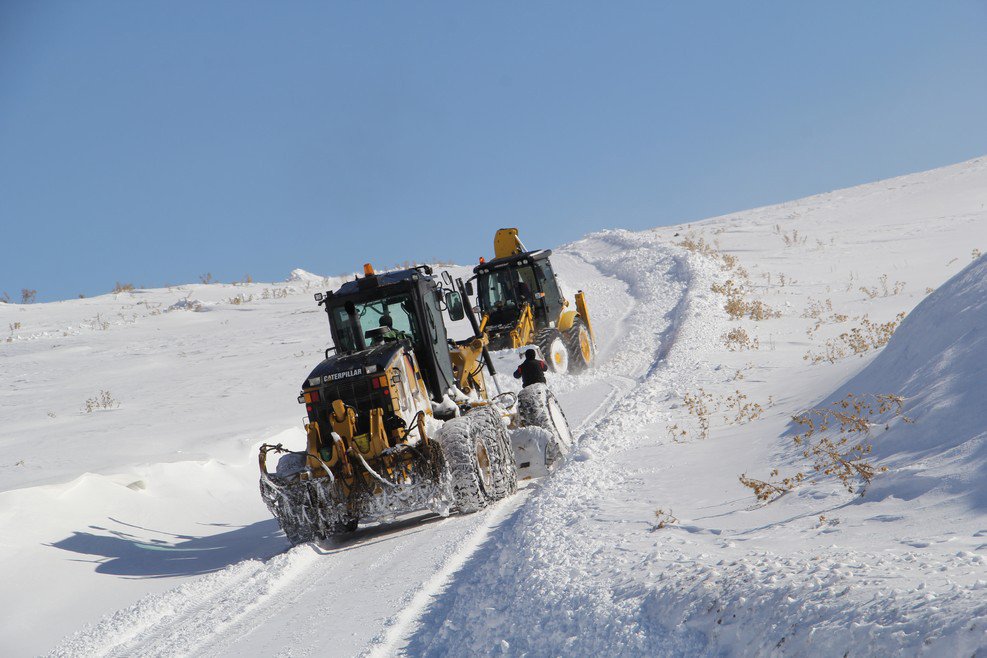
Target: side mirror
x=454, y=302
x=469, y=288
x=319, y=296
x=447, y=278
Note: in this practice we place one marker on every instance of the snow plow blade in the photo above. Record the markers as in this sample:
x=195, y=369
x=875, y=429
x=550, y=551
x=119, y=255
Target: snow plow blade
x=313, y=504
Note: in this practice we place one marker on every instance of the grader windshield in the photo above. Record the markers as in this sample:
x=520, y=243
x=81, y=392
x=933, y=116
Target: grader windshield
x=400, y=313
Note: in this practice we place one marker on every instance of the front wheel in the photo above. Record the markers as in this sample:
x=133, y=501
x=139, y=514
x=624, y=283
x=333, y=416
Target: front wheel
x=538, y=407
x=580, y=346
x=476, y=450
x=554, y=349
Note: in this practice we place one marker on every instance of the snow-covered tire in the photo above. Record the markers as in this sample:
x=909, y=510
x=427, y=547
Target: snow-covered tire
x=488, y=422
x=553, y=348
x=580, y=346
x=538, y=407
x=476, y=450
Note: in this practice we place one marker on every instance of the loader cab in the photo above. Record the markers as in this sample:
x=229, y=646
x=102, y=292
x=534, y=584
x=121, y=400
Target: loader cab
x=394, y=307
x=504, y=285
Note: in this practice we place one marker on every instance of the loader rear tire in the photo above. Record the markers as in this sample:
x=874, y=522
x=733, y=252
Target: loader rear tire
x=538, y=407
x=579, y=343
x=475, y=449
x=553, y=348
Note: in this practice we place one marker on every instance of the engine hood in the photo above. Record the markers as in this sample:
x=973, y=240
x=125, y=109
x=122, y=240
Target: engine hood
x=346, y=366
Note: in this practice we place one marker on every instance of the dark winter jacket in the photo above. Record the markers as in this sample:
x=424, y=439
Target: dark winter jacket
x=531, y=371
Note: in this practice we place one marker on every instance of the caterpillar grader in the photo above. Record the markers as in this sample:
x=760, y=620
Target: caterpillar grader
x=522, y=305
x=399, y=418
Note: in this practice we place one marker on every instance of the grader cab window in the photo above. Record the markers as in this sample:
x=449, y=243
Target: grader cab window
x=399, y=309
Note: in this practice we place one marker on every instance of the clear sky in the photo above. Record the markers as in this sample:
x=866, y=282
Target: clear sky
x=151, y=142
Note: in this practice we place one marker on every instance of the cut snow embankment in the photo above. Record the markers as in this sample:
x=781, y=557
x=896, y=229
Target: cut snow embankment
x=585, y=566
x=937, y=360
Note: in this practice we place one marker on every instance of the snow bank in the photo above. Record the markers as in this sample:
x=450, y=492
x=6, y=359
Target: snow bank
x=301, y=276
x=937, y=360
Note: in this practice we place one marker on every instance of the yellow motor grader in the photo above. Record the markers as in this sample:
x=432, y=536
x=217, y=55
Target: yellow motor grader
x=522, y=305
x=399, y=418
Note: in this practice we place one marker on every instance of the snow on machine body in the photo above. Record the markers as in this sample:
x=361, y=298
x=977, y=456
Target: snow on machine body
x=523, y=306
x=399, y=419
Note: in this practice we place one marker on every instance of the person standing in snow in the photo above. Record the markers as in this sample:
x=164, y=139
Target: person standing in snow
x=532, y=370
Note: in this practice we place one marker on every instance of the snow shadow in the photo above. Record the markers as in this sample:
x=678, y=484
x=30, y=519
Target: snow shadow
x=126, y=550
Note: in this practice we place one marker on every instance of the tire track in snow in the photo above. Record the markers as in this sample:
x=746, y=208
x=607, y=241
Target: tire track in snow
x=547, y=586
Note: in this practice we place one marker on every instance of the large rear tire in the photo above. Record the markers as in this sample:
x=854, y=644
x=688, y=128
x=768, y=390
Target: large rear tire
x=580, y=346
x=476, y=450
x=553, y=348
x=538, y=407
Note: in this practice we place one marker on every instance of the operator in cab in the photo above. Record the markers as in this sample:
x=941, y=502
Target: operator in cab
x=389, y=333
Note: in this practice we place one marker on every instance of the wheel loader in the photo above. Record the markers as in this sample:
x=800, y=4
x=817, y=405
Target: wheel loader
x=399, y=418
x=522, y=305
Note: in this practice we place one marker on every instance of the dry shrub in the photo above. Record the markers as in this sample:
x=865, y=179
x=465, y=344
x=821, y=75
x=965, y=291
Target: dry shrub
x=698, y=245
x=699, y=405
x=929, y=290
x=27, y=295
x=206, y=278
x=859, y=340
x=742, y=409
x=240, y=299
x=737, y=340
x=663, y=519
x=737, y=306
x=975, y=254
x=103, y=400
x=98, y=323
x=123, y=287
x=822, y=313
x=792, y=239
x=834, y=439
x=885, y=290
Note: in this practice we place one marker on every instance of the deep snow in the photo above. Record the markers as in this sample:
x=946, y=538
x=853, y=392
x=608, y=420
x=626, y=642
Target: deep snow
x=168, y=530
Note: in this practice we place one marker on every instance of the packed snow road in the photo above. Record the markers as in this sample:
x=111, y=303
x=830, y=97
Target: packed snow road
x=364, y=593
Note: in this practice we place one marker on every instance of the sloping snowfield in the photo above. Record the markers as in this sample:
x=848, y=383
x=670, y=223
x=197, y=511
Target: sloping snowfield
x=137, y=529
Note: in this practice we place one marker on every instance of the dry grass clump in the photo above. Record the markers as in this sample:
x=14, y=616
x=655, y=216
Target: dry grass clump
x=274, y=293
x=122, y=287
x=704, y=404
x=885, y=290
x=859, y=340
x=699, y=405
x=792, y=239
x=738, y=306
x=103, y=400
x=240, y=299
x=737, y=340
x=98, y=323
x=975, y=254
x=834, y=440
x=742, y=409
x=663, y=519
x=822, y=312
x=698, y=245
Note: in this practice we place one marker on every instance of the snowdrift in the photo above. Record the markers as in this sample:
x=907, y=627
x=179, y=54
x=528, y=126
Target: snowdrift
x=937, y=360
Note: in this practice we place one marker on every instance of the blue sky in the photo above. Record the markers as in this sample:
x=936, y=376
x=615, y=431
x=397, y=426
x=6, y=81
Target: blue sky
x=152, y=142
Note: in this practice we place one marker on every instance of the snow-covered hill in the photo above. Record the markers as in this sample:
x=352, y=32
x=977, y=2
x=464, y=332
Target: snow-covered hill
x=146, y=520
